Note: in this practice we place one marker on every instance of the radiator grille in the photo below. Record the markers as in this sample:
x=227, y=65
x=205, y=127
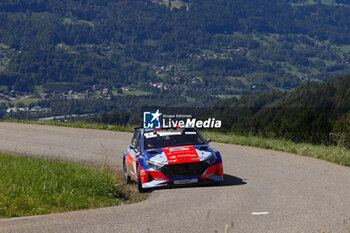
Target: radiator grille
x=184, y=170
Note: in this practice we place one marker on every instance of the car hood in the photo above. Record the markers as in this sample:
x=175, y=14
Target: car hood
x=179, y=154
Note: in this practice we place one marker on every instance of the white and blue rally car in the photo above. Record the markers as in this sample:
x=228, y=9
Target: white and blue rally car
x=170, y=156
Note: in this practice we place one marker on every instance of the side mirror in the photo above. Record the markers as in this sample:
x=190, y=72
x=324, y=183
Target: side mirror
x=208, y=140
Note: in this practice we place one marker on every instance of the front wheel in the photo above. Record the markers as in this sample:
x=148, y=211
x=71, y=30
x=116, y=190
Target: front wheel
x=139, y=184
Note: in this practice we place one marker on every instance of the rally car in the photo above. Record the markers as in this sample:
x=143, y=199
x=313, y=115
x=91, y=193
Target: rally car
x=170, y=156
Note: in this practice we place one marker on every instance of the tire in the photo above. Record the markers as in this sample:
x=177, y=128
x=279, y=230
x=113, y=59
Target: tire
x=126, y=176
x=139, y=184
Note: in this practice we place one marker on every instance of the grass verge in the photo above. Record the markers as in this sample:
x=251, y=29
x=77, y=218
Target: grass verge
x=78, y=124
x=333, y=154
x=32, y=186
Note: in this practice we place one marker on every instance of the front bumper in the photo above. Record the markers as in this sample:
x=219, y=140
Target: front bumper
x=152, y=178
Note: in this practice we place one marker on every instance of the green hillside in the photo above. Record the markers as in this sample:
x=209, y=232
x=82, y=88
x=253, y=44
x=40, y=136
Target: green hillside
x=81, y=57
x=314, y=112
x=198, y=46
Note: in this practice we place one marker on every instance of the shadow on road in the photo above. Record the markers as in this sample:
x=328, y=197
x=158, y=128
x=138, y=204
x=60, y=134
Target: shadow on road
x=232, y=180
x=228, y=181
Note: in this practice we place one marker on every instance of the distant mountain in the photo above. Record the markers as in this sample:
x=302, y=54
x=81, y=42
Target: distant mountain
x=220, y=48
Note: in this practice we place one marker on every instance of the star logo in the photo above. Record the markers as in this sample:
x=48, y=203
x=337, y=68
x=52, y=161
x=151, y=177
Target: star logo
x=152, y=120
x=156, y=115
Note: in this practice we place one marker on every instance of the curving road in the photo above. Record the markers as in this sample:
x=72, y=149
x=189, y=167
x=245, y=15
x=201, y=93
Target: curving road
x=264, y=190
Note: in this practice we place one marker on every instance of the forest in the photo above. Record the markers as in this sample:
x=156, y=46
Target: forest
x=220, y=48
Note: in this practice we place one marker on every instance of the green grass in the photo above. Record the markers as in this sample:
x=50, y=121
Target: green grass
x=4, y=63
x=177, y=4
x=329, y=63
x=161, y=76
x=189, y=99
x=5, y=88
x=333, y=154
x=270, y=38
x=289, y=68
x=152, y=43
x=313, y=2
x=283, y=89
x=26, y=102
x=32, y=186
x=173, y=4
x=79, y=124
x=224, y=96
x=4, y=46
x=345, y=48
x=242, y=79
x=260, y=40
x=68, y=21
x=39, y=89
x=90, y=23
x=304, y=3
x=328, y=2
x=208, y=51
x=135, y=93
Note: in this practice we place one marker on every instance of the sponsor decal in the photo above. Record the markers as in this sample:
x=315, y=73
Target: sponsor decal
x=183, y=154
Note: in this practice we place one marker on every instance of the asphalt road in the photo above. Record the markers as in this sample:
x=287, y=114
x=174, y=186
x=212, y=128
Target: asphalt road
x=264, y=190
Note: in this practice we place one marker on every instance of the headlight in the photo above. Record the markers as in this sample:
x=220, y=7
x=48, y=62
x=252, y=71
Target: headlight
x=211, y=159
x=154, y=165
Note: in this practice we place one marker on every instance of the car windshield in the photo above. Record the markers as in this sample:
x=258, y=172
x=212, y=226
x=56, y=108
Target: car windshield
x=171, y=138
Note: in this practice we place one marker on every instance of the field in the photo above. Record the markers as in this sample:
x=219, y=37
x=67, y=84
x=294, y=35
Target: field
x=172, y=3
x=242, y=79
x=39, y=89
x=135, y=93
x=70, y=21
x=26, y=102
x=313, y=2
x=228, y=96
x=4, y=63
x=31, y=186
